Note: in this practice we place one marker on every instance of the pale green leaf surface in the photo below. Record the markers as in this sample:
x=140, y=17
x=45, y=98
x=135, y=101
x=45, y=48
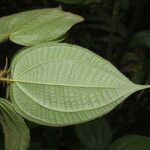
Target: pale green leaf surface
x=64, y=84
x=15, y=130
x=37, y=26
x=131, y=142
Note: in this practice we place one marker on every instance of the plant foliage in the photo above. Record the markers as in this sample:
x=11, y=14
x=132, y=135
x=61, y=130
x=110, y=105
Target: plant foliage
x=15, y=130
x=59, y=84
x=95, y=135
x=131, y=142
x=37, y=26
x=63, y=84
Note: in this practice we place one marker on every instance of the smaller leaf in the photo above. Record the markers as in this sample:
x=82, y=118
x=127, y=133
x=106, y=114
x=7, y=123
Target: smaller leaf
x=95, y=134
x=37, y=26
x=140, y=39
x=15, y=130
x=131, y=142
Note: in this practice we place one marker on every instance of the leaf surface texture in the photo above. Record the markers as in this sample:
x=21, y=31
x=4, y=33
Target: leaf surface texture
x=63, y=84
x=37, y=26
x=15, y=130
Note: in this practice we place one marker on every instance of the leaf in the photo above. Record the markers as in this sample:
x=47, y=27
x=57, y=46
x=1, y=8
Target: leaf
x=63, y=84
x=131, y=142
x=140, y=39
x=95, y=134
x=37, y=26
x=15, y=130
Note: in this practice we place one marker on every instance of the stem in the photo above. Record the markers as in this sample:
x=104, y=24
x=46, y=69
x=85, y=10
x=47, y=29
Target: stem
x=6, y=79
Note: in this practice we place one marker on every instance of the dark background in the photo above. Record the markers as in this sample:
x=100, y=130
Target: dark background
x=110, y=30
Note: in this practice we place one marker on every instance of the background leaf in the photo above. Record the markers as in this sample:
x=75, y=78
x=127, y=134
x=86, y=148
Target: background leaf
x=141, y=39
x=37, y=26
x=95, y=135
x=15, y=130
x=131, y=142
x=64, y=84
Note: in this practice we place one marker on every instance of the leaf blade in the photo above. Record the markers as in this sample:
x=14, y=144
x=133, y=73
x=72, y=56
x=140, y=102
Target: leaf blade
x=67, y=85
x=37, y=26
x=15, y=130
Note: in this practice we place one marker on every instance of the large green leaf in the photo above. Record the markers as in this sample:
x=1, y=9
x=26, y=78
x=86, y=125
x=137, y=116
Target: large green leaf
x=37, y=26
x=63, y=84
x=15, y=130
x=131, y=142
x=95, y=135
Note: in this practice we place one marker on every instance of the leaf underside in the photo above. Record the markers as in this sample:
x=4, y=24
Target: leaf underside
x=63, y=84
x=37, y=26
x=15, y=130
